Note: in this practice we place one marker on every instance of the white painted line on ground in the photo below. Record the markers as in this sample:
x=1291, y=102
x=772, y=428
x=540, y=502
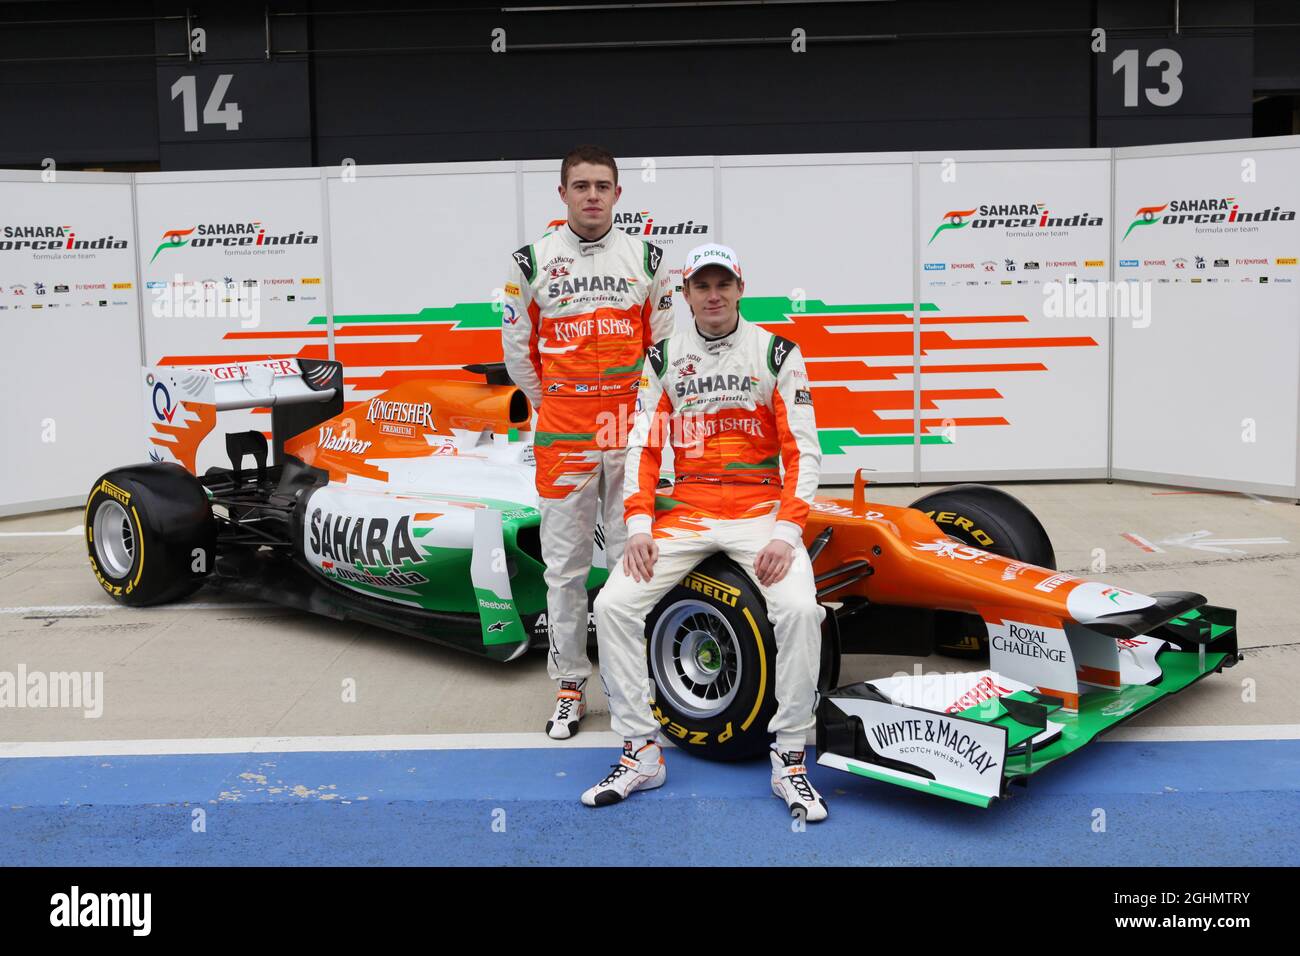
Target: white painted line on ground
x=1201, y=541
x=1212, y=732
x=75, y=608
x=42, y=534
x=503, y=741
x=240, y=745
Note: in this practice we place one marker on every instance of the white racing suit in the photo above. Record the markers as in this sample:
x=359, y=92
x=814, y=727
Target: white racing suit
x=576, y=321
x=732, y=407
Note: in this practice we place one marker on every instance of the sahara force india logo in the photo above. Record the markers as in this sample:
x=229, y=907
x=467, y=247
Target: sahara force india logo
x=16, y=238
x=1204, y=212
x=1033, y=215
x=643, y=224
x=207, y=234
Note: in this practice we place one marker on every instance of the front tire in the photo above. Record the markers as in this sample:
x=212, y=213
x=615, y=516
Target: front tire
x=150, y=533
x=712, y=657
x=988, y=518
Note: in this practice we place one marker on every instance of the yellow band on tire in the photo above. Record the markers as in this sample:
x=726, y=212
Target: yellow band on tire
x=762, y=671
x=139, y=537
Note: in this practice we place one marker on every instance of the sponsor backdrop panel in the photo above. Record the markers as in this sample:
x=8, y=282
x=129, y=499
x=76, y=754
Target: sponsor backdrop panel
x=233, y=270
x=1207, y=390
x=827, y=254
x=68, y=312
x=234, y=265
x=1014, y=339
x=418, y=263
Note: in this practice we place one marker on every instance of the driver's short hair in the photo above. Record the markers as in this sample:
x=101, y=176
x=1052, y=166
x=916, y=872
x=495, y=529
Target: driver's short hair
x=587, y=153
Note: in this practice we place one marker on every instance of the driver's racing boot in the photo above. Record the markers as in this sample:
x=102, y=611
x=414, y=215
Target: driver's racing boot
x=570, y=705
x=640, y=767
x=790, y=782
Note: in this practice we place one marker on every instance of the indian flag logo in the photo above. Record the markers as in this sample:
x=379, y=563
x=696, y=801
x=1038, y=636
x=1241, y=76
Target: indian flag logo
x=1146, y=216
x=953, y=219
x=172, y=239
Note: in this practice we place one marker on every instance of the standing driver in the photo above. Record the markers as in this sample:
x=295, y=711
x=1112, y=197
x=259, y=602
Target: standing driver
x=582, y=304
x=734, y=399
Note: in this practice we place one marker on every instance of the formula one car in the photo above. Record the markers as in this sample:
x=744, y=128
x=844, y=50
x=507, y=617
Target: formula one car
x=416, y=512
x=1068, y=659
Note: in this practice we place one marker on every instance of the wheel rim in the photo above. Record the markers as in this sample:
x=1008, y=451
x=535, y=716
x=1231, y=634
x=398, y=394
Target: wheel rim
x=114, y=538
x=695, y=659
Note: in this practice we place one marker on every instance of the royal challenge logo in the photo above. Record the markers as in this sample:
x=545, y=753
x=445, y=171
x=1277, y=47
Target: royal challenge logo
x=235, y=236
x=1015, y=219
x=1218, y=214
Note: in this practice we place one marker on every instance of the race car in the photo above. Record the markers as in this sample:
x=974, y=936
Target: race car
x=416, y=511
x=1068, y=659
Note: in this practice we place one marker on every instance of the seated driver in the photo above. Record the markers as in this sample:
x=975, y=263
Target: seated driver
x=728, y=496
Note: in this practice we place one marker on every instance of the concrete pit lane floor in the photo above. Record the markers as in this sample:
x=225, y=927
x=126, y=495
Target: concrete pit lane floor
x=243, y=711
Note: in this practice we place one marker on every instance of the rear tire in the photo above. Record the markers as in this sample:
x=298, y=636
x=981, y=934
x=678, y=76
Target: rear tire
x=988, y=518
x=150, y=533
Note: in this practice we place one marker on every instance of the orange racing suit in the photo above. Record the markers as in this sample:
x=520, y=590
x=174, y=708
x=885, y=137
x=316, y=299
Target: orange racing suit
x=577, y=318
x=733, y=408
x=738, y=413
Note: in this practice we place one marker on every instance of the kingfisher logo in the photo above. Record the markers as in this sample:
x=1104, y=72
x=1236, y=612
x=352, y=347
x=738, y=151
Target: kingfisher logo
x=207, y=234
x=1034, y=215
x=52, y=238
x=1206, y=211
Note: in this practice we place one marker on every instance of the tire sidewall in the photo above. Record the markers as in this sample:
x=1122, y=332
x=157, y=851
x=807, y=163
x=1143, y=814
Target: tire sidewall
x=738, y=731
x=172, y=523
x=124, y=588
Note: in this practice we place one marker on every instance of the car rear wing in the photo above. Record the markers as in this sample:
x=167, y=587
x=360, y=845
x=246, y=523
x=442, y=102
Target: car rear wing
x=181, y=404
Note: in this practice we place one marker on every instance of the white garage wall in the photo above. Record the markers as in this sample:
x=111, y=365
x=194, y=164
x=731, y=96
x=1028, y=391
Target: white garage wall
x=1206, y=394
x=841, y=254
x=1010, y=387
x=825, y=242
x=68, y=363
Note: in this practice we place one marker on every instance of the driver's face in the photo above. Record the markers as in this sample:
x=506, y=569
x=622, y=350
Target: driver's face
x=590, y=195
x=713, y=294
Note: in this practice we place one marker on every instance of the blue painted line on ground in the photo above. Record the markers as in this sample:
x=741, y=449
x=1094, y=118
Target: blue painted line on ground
x=1169, y=803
